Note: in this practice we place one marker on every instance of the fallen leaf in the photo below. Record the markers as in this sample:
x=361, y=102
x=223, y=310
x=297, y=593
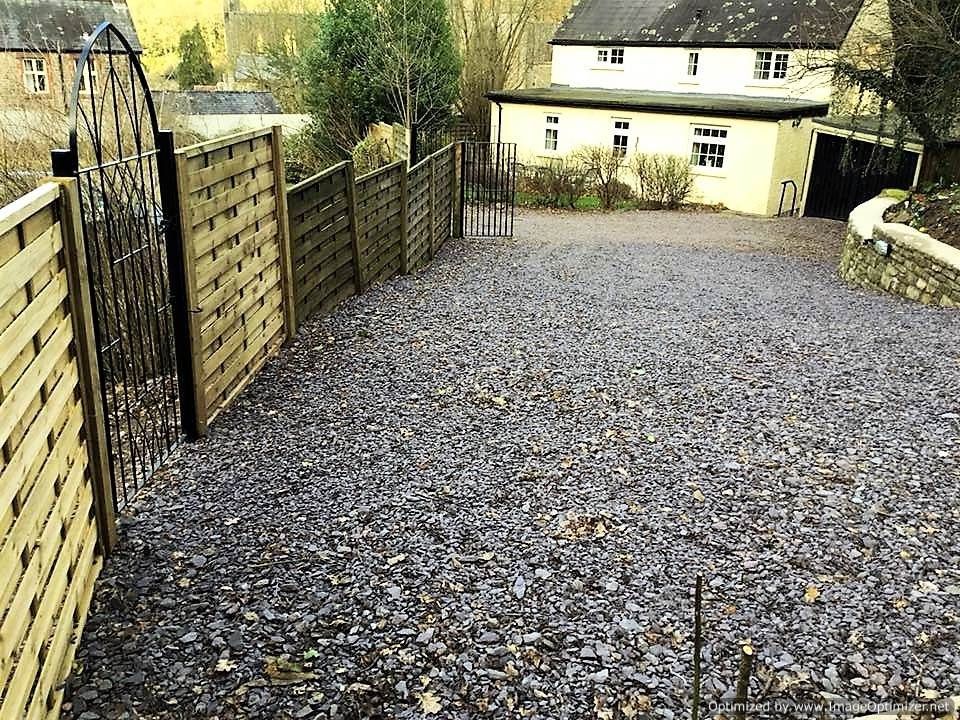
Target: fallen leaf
x=285, y=672
x=811, y=594
x=225, y=665
x=429, y=703
x=396, y=559
x=698, y=496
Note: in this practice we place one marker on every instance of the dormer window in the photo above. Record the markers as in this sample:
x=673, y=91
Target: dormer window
x=771, y=65
x=610, y=56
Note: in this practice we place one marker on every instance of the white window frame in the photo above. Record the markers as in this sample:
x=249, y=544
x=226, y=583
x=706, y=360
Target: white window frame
x=84, y=87
x=693, y=64
x=621, y=136
x=708, y=148
x=551, y=134
x=35, y=79
x=771, y=65
x=610, y=58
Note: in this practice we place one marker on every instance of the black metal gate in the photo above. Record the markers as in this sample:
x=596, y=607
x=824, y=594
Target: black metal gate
x=846, y=173
x=488, y=189
x=126, y=175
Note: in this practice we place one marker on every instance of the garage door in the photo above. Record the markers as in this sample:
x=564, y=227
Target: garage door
x=836, y=187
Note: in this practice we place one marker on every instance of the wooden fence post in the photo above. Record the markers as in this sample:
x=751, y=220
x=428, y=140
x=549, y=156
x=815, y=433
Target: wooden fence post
x=433, y=206
x=81, y=314
x=404, y=220
x=456, y=202
x=283, y=235
x=193, y=310
x=354, y=215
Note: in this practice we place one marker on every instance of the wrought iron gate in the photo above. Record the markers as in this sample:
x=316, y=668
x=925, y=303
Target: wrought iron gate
x=127, y=181
x=488, y=189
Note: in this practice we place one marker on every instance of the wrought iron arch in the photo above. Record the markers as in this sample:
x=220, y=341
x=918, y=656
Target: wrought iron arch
x=107, y=34
x=126, y=176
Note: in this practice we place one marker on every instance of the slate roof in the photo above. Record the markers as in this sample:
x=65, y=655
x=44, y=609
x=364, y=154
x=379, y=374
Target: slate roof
x=222, y=102
x=60, y=25
x=708, y=23
x=764, y=108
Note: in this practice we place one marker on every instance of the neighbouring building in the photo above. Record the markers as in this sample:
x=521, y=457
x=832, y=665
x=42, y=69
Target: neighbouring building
x=263, y=41
x=40, y=45
x=733, y=87
x=210, y=113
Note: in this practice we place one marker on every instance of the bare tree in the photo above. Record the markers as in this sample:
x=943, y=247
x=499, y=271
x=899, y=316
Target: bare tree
x=603, y=164
x=415, y=58
x=900, y=63
x=495, y=38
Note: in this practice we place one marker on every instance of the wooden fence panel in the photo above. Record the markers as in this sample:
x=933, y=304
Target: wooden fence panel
x=322, y=235
x=51, y=473
x=381, y=217
x=419, y=214
x=237, y=252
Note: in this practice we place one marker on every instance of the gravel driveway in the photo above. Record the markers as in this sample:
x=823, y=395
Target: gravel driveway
x=486, y=491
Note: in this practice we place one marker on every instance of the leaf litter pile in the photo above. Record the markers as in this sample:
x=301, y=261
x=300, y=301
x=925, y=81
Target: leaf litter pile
x=486, y=491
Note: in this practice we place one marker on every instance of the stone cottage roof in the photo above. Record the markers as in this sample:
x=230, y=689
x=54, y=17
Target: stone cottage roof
x=222, y=102
x=60, y=25
x=706, y=23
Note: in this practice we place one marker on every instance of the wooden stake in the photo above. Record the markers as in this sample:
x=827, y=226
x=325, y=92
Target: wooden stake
x=81, y=315
x=697, y=645
x=743, y=682
x=283, y=236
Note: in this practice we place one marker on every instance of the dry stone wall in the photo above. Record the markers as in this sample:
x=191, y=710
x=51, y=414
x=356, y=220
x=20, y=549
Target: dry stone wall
x=898, y=259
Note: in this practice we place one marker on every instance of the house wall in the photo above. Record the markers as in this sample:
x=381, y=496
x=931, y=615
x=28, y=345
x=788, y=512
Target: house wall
x=759, y=154
x=790, y=163
x=720, y=70
x=864, y=47
x=210, y=126
x=60, y=69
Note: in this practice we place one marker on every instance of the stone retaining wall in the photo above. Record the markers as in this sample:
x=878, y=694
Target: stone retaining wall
x=897, y=258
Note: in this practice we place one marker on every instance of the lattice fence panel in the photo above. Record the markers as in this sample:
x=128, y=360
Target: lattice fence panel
x=419, y=217
x=236, y=253
x=380, y=222
x=445, y=192
x=322, y=233
x=49, y=557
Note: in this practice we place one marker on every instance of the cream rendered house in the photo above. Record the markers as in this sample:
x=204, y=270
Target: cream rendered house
x=727, y=84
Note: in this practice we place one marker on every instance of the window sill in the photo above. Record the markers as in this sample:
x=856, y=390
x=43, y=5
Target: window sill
x=618, y=68
x=766, y=84
x=689, y=82
x=698, y=171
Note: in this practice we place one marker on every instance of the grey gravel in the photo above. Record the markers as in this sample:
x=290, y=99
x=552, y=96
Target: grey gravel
x=601, y=408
